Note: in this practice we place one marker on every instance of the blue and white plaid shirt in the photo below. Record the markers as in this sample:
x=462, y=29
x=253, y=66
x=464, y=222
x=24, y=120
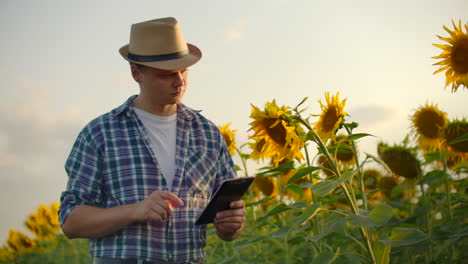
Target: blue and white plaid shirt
x=112, y=164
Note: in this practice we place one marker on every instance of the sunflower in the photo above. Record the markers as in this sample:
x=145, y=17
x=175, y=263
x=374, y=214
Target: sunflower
x=268, y=186
x=387, y=184
x=401, y=161
x=326, y=166
x=44, y=222
x=18, y=241
x=428, y=123
x=454, y=57
x=454, y=130
x=344, y=153
x=229, y=137
x=331, y=117
x=277, y=136
x=371, y=178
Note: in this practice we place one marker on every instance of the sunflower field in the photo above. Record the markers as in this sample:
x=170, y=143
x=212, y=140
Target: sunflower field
x=317, y=199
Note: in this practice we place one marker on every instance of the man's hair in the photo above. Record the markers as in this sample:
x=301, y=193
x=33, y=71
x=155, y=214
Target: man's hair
x=139, y=66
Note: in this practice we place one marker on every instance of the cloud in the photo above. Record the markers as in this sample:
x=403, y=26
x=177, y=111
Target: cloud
x=236, y=31
x=373, y=115
x=35, y=139
x=33, y=132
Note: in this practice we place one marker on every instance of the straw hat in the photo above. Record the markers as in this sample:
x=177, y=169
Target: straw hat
x=159, y=43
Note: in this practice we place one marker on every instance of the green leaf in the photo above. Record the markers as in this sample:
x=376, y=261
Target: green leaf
x=326, y=257
x=237, y=168
x=264, y=200
x=310, y=136
x=306, y=185
x=283, y=207
x=301, y=173
x=335, y=226
x=405, y=237
x=282, y=232
x=278, y=209
x=245, y=156
x=248, y=242
x=382, y=253
x=381, y=162
x=381, y=214
x=430, y=157
x=340, y=149
x=286, y=166
x=434, y=178
x=377, y=217
x=351, y=125
x=295, y=188
x=357, y=136
x=325, y=187
x=307, y=214
x=459, y=139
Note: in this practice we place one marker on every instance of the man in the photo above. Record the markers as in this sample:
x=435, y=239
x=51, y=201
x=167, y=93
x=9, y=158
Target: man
x=141, y=174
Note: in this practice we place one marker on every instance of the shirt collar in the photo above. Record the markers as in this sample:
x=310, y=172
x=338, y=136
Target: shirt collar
x=183, y=111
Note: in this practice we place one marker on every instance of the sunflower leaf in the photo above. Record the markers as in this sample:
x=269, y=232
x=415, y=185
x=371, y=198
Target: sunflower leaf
x=295, y=188
x=459, y=139
x=284, y=207
x=353, y=137
x=325, y=187
x=307, y=214
x=381, y=162
x=382, y=253
x=301, y=173
x=264, y=200
x=286, y=166
x=404, y=237
x=377, y=217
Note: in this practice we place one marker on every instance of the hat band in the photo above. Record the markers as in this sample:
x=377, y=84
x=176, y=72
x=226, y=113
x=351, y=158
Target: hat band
x=162, y=57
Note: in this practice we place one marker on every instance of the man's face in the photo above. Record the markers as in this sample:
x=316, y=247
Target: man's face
x=161, y=86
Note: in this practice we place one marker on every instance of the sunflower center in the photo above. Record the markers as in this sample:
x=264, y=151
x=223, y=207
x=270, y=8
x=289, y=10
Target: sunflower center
x=459, y=56
x=259, y=146
x=330, y=118
x=228, y=140
x=429, y=124
x=276, y=132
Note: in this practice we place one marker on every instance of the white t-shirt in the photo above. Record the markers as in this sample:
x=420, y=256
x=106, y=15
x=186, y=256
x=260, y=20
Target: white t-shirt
x=162, y=134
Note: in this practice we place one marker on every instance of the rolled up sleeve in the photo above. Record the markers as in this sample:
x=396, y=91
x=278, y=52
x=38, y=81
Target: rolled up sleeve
x=84, y=169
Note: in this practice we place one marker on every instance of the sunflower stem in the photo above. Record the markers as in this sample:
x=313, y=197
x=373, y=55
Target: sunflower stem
x=449, y=199
x=351, y=202
x=360, y=174
x=316, y=220
x=246, y=174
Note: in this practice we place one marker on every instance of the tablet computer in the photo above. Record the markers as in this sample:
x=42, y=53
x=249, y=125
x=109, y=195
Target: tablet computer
x=229, y=191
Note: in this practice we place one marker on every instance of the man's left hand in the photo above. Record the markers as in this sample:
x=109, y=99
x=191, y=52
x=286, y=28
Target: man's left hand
x=230, y=223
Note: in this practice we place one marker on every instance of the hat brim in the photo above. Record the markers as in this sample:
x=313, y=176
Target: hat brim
x=186, y=61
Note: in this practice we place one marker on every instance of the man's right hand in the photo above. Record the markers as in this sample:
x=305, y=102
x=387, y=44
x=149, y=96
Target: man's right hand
x=157, y=207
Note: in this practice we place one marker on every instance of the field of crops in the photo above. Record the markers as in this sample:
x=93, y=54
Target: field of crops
x=318, y=198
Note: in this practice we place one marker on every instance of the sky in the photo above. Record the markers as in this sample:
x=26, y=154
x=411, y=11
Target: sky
x=61, y=68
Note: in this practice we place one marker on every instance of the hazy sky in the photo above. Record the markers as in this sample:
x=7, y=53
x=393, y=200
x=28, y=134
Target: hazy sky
x=61, y=68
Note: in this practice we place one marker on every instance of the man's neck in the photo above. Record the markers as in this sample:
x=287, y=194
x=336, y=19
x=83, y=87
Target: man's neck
x=155, y=109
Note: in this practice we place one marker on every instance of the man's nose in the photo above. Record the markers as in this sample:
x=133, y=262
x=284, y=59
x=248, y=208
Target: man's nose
x=179, y=79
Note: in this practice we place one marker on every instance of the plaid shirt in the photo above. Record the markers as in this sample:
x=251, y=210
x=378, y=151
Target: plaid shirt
x=112, y=164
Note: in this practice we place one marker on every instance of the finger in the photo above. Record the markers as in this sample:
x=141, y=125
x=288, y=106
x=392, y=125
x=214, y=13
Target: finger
x=171, y=198
x=155, y=217
x=231, y=220
x=160, y=210
x=237, y=204
x=228, y=227
x=165, y=206
x=231, y=212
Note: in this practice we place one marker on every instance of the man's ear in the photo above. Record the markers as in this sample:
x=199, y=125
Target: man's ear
x=136, y=73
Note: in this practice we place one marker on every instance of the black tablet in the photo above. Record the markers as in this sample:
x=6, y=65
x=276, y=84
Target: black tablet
x=229, y=191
